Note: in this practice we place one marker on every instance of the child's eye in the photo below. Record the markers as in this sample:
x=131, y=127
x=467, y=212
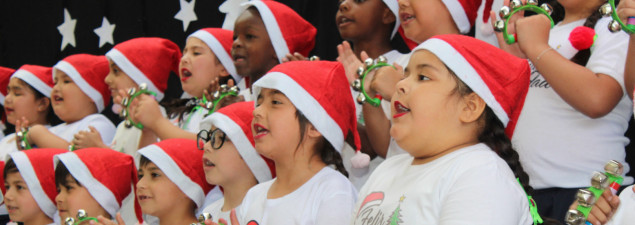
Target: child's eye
x=249, y=36
x=359, y=1
x=276, y=102
x=423, y=78
x=139, y=176
x=196, y=53
x=20, y=187
x=6, y=187
x=154, y=175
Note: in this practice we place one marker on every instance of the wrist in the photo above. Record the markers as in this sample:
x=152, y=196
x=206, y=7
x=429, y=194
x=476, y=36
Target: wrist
x=537, y=53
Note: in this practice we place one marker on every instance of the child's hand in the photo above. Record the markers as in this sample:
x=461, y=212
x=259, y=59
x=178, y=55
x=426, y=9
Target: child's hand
x=103, y=221
x=626, y=9
x=349, y=60
x=295, y=57
x=533, y=34
x=146, y=110
x=385, y=80
x=232, y=217
x=603, y=209
x=513, y=49
x=87, y=139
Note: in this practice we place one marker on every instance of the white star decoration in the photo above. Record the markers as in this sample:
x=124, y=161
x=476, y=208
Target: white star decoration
x=186, y=14
x=67, y=30
x=105, y=32
x=232, y=9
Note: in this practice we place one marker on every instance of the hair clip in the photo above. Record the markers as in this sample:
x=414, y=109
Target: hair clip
x=362, y=71
x=515, y=6
x=608, y=9
x=125, y=102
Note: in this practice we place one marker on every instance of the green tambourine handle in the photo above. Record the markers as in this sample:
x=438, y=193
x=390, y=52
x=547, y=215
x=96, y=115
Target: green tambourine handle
x=511, y=38
x=628, y=28
x=86, y=219
x=140, y=92
x=216, y=101
x=372, y=101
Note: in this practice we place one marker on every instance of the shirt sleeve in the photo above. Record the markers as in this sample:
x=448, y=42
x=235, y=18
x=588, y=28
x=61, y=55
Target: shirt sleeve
x=336, y=210
x=104, y=126
x=608, y=54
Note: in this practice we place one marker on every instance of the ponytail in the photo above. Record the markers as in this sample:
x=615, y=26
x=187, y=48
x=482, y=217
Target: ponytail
x=324, y=149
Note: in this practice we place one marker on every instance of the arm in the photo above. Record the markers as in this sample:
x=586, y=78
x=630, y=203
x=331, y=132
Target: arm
x=624, y=10
x=43, y=138
x=148, y=113
x=377, y=129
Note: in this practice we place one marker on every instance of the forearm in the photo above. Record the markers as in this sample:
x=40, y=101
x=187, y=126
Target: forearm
x=377, y=128
x=164, y=129
x=43, y=138
x=629, y=70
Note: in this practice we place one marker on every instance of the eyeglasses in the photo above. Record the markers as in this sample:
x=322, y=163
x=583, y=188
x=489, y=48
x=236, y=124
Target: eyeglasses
x=217, y=137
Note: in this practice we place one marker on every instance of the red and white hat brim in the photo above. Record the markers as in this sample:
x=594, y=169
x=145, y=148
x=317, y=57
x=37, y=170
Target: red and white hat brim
x=27, y=172
x=219, y=51
x=133, y=72
x=33, y=81
x=81, y=83
x=458, y=15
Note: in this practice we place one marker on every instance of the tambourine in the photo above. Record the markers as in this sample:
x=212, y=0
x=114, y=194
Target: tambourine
x=201, y=219
x=616, y=25
x=586, y=198
x=81, y=217
x=21, y=135
x=127, y=101
x=515, y=6
x=223, y=92
x=362, y=71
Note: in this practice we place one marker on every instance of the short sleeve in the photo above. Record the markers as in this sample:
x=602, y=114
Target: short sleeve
x=608, y=54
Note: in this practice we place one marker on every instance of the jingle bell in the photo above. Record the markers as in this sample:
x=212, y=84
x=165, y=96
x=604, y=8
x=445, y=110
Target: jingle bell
x=606, y=9
x=532, y=2
x=499, y=25
x=514, y=4
x=71, y=148
x=125, y=101
x=223, y=88
x=81, y=214
x=547, y=8
x=574, y=217
x=504, y=12
x=69, y=221
x=143, y=86
x=209, y=105
x=614, y=26
x=314, y=58
x=22, y=145
x=234, y=89
x=361, y=98
x=368, y=62
x=203, y=217
x=614, y=168
x=585, y=198
x=131, y=91
x=599, y=180
x=124, y=113
x=357, y=85
x=128, y=124
x=360, y=71
x=216, y=95
x=20, y=134
x=382, y=59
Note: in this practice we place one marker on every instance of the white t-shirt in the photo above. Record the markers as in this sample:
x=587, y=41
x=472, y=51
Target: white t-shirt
x=191, y=121
x=215, y=209
x=625, y=213
x=471, y=185
x=98, y=121
x=558, y=145
x=126, y=140
x=327, y=198
x=8, y=145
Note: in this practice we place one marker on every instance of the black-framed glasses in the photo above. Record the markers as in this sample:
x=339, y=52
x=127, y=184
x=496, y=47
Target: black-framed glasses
x=217, y=138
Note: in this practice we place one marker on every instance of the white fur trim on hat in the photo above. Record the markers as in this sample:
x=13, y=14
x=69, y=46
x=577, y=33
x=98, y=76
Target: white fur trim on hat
x=102, y=194
x=172, y=170
x=254, y=161
x=219, y=51
x=273, y=29
x=135, y=74
x=81, y=83
x=458, y=14
x=393, y=5
x=464, y=70
x=34, y=81
x=304, y=102
x=27, y=172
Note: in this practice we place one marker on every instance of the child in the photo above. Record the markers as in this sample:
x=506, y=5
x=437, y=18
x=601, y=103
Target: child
x=28, y=98
x=230, y=159
x=263, y=36
x=78, y=96
x=301, y=123
x=451, y=114
x=625, y=10
x=137, y=61
x=99, y=181
x=565, y=133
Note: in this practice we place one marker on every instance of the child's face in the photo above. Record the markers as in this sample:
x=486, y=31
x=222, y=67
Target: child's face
x=118, y=80
x=358, y=19
x=69, y=102
x=19, y=201
x=157, y=194
x=421, y=20
x=199, y=67
x=21, y=102
x=252, y=50
x=223, y=166
x=73, y=197
x=425, y=107
x=276, y=127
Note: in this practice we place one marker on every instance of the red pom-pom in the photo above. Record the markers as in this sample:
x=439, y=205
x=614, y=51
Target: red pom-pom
x=582, y=37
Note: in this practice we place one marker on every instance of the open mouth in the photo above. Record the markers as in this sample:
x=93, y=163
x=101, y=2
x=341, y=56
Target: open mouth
x=260, y=131
x=8, y=110
x=238, y=57
x=143, y=197
x=57, y=98
x=343, y=21
x=208, y=163
x=185, y=74
x=400, y=110
x=406, y=18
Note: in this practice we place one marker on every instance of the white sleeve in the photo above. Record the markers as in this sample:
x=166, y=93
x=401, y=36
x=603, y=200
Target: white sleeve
x=608, y=54
x=338, y=209
x=104, y=126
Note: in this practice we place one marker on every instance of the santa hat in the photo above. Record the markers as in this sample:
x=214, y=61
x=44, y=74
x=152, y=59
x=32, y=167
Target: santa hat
x=220, y=41
x=38, y=77
x=235, y=121
x=499, y=78
x=147, y=60
x=36, y=167
x=2, y=187
x=314, y=88
x=463, y=13
x=89, y=73
x=287, y=30
x=5, y=76
x=393, y=5
x=180, y=161
x=108, y=175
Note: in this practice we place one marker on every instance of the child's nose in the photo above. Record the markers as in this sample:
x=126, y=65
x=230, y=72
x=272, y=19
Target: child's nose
x=344, y=6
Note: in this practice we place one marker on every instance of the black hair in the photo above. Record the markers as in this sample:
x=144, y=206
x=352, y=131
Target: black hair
x=61, y=173
x=143, y=161
x=325, y=149
x=9, y=167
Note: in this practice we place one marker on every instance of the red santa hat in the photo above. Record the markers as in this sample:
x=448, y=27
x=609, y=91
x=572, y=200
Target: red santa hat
x=220, y=41
x=108, y=175
x=147, y=60
x=89, y=73
x=38, y=77
x=36, y=168
x=287, y=30
x=315, y=89
x=2, y=187
x=463, y=12
x=235, y=121
x=5, y=76
x=499, y=78
x=180, y=161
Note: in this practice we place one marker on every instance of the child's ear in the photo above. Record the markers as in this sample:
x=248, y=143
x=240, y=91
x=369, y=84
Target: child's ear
x=388, y=17
x=223, y=72
x=43, y=104
x=471, y=108
x=312, y=132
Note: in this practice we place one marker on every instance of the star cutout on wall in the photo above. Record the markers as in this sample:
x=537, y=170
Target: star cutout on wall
x=186, y=14
x=67, y=30
x=232, y=10
x=105, y=33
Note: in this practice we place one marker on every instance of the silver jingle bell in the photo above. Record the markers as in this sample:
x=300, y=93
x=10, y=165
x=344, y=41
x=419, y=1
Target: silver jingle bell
x=599, y=180
x=125, y=101
x=143, y=86
x=575, y=217
x=223, y=88
x=203, y=217
x=128, y=124
x=504, y=12
x=361, y=98
x=532, y=2
x=70, y=148
x=81, y=214
x=499, y=26
x=360, y=71
x=547, y=8
x=131, y=91
x=357, y=85
x=234, y=89
x=22, y=145
x=124, y=113
x=20, y=134
x=368, y=62
x=209, y=105
x=585, y=198
x=69, y=221
x=614, y=168
x=606, y=9
x=314, y=58
x=382, y=59
x=514, y=4
x=614, y=26
x=216, y=95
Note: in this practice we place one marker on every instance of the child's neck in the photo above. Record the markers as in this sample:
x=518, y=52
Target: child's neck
x=572, y=14
x=178, y=216
x=235, y=192
x=293, y=173
x=374, y=47
x=40, y=219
